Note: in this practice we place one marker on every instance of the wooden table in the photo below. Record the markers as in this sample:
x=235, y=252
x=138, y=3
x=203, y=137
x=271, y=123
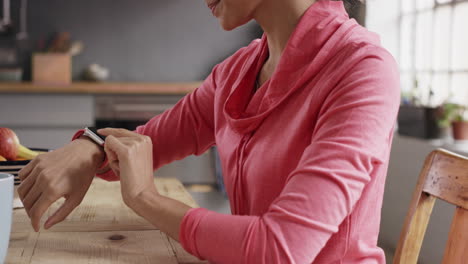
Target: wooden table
x=101, y=230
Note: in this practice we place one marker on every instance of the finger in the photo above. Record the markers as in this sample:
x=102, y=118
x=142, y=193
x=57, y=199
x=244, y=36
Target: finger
x=32, y=196
x=111, y=155
x=117, y=132
x=33, y=173
x=115, y=145
x=25, y=186
x=128, y=141
x=114, y=165
x=65, y=209
x=26, y=170
x=38, y=210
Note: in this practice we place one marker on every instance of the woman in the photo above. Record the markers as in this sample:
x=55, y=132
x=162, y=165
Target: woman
x=303, y=120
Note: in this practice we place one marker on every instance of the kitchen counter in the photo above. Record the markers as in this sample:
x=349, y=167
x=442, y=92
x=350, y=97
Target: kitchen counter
x=102, y=229
x=100, y=88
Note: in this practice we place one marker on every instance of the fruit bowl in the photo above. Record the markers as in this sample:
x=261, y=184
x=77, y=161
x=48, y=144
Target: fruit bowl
x=14, y=166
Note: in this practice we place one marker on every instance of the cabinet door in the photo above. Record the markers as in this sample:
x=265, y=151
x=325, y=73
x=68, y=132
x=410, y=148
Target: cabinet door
x=20, y=110
x=46, y=121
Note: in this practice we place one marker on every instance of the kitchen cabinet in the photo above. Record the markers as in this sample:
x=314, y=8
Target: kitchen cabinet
x=46, y=120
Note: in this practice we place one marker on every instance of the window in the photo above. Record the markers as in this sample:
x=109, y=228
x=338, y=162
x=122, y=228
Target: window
x=432, y=48
x=439, y=63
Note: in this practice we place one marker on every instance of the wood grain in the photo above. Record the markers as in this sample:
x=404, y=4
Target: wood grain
x=103, y=209
x=21, y=247
x=413, y=239
x=173, y=188
x=121, y=247
x=101, y=230
x=178, y=88
x=456, y=251
x=448, y=179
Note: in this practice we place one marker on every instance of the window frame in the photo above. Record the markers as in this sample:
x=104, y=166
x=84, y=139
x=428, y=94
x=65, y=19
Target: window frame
x=412, y=69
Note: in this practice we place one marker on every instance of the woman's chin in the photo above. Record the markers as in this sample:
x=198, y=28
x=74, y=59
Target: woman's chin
x=228, y=24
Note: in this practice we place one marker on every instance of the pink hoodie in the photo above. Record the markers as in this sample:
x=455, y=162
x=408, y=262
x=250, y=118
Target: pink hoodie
x=304, y=158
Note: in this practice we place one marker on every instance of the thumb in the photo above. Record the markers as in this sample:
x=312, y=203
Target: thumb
x=113, y=148
x=65, y=209
x=111, y=155
x=117, y=132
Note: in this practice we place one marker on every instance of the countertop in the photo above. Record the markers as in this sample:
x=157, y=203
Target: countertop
x=175, y=88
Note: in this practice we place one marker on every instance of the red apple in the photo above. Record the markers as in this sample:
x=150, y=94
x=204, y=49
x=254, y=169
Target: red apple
x=9, y=143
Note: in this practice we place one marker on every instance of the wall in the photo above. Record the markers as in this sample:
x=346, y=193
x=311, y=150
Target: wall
x=144, y=40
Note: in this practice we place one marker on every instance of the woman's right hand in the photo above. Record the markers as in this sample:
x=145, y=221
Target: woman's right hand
x=66, y=172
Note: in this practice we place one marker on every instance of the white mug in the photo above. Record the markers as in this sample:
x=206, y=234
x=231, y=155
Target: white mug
x=6, y=211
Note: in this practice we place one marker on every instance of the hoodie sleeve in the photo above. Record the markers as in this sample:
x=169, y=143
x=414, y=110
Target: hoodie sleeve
x=185, y=129
x=349, y=141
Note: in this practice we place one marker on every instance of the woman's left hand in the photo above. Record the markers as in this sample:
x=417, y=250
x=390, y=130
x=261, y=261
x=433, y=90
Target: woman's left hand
x=130, y=156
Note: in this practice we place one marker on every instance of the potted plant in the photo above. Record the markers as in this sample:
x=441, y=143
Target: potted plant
x=456, y=116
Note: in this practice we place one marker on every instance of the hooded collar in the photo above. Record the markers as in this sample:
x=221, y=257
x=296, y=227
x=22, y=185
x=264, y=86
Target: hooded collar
x=308, y=48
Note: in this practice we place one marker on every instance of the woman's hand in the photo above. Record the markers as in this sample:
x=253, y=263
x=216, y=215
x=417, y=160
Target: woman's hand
x=130, y=156
x=66, y=172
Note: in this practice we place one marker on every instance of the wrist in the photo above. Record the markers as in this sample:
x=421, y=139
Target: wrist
x=144, y=200
x=93, y=151
x=163, y=212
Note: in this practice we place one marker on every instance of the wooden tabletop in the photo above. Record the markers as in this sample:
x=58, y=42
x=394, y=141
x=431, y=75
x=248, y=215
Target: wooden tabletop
x=177, y=88
x=101, y=230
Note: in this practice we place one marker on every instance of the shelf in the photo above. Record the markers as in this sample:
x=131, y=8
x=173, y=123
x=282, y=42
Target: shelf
x=101, y=88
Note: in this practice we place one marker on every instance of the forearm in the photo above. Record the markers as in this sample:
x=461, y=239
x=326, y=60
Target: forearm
x=164, y=213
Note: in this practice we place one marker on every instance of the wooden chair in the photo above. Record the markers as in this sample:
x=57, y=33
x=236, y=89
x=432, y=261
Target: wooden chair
x=444, y=176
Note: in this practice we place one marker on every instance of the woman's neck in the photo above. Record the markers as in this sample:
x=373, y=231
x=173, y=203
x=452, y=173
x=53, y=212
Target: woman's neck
x=278, y=18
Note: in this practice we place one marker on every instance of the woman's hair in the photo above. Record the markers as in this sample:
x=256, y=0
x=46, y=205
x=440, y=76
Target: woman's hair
x=353, y=2
x=356, y=9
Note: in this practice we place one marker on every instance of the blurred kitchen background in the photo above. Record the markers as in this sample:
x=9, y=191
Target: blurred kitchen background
x=69, y=64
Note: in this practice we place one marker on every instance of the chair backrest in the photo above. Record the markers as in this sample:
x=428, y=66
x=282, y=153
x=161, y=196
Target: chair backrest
x=444, y=176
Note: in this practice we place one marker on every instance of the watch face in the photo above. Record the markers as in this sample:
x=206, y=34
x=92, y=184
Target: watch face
x=91, y=132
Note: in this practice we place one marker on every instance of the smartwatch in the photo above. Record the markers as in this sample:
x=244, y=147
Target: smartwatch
x=91, y=132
